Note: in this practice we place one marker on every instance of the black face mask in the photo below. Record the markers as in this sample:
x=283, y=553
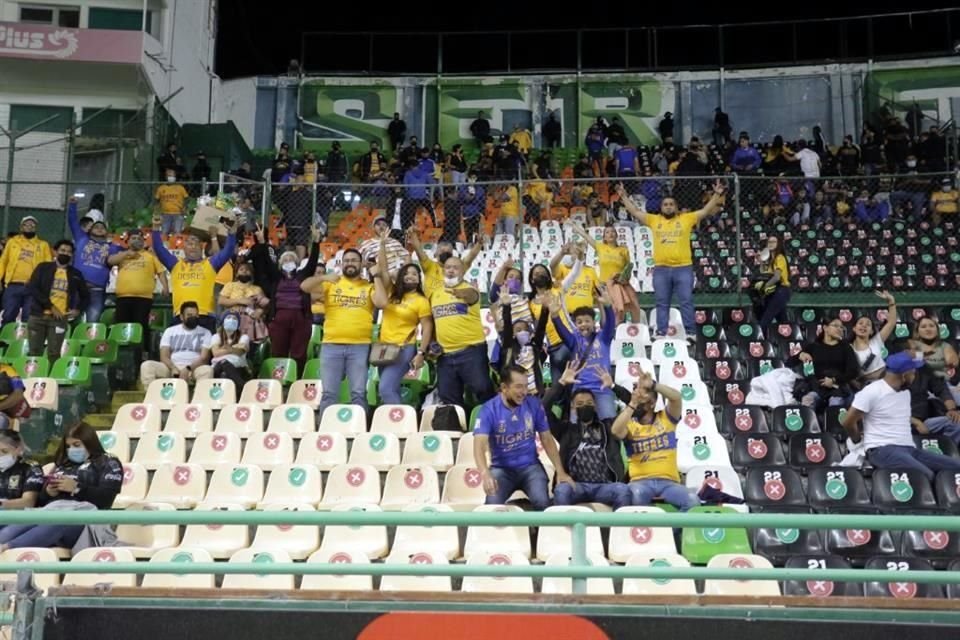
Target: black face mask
x=192, y=322
x=63, y=260
x=542, y=282
x=443, y=257
x=586, y=414
x=29, y=235
x=244, y=278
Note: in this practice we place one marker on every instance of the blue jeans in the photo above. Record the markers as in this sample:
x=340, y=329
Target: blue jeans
x=98, y=296
x=16, y=299
x=901, y=457
x=392, y=375
x=171, y=223
x=775, y=307
x=468, y=367
x=532, y=480
x=642, y=493
x=16, y=536
x=944, y=426
x=340, y=361
x=559, y=357
x=613, y=494
x=668, y=281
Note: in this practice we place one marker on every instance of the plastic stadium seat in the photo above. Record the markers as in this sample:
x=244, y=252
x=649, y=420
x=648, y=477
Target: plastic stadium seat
x=265, y=393
x=721, y=478
x=240, y=484
x=937, y=444
x=699, y=545
x=299, y=541
x=463, y=488
x=369, y=540
x=794, y=419
x=486, y=584
x=757, y=450
x=896, y=589
x=163, y=393
x=953, y=590
x=740, y=587
x=629, y=541
x=137, y=418
x=837, y=489
x=426, y=420
x=659, y=586
x=13, y=331
x=676, y=373
x=215, y=392
x=724, y=370
x=439, y=540
x=902, y=490
x=695, y=394
x=698, y=420
x=325, y=450
x=465, y=450
x=283, y=370
x=753, y=349
x=408, y=484
x=126, y=333
x=180, y=580
x=731, y=393
x=776, y=545
x=380, y=450
x=101, y=554
x=416, y=583
x=279, y=581
x=938, y=547
x=858, y=545
x=627, y=371
x=146, y=540
x=306, y=392
x=295, y=419
x=551, y=540
x=947, y=487
x=182, y=485
x=674, y=324
x=352, y=484
x=86, y=331
x=220, y=541
x=430, y=449
x=155, y=449
x=246, y=420
x=394, y=418
x=774, y=489
x=320, y=582
x=497, y=539
x=762, y=366
x=743, y=419
x=190, y=420
x=595, y=586
x=698, y=449
x=713, y=349
x=42, y=393
x=100, y=351
x=133, y=488
x=348, y=419
x=31, y=366
x=819, y=588
x=832, y=419
x=808, y=452
x=666, y=351
x=293, y=485
x=212, y=449
x=633, y=331
x=628, y=349
x=27, y=555
x=116, y=443
x=268, y=450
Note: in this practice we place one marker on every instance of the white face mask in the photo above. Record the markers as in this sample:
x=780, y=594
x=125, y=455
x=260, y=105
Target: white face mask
x=567, y=261
x=171, y=178
x=288, y=267
x=911, y=163
x=7, y=461
x=451, y=282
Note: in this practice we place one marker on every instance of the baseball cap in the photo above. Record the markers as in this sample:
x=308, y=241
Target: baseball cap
x=903, y=362
x=26, y=218
x=379, y=219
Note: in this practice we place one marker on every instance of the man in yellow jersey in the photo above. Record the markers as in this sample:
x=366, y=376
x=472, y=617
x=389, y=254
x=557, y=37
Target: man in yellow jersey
x=672, y=258
x=433, y=268
x=171, y=198
x=347, y=331
x=138, y=270
x=509, y=210
x=193, y=278
x=21, y=255
x=456, y=317
x=57, y=293
x=650, y=440
x=579, y=290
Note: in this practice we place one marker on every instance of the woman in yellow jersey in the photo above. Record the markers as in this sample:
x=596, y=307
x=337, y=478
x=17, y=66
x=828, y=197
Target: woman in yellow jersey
x=404, y=309
x=773, y=288
x=615, y=271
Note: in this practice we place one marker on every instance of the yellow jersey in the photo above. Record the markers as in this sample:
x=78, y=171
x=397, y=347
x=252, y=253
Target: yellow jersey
x=511, y=207
x=236, y=289
x=172, y=198
x=193, y=281
x=944, y=201
x=580, y=292
x=136, y=278
x=432, y=276
x=59, y=291
x=457, y=323
x=349, y=306
x=652, y=448
x=399, y=324
x=671, y=239
x=21, y=256
x=612, y=260
x=225, y=275
x=780, y=262
x=553, y=338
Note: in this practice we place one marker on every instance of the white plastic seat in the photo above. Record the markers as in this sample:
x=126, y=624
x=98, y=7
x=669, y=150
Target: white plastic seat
x=181, y=485
x=740, y=587
x=622, y=350
x=293, y=484
x=348, y=419
x=243, y=419
x=262, y=392
x=325, y=450
x=214, y=392
x=240, y=484
x=700, y=449
x=163, y=393
x=465, y=450
x=430, y=449
x=674, y=324
x=116, y=443
x=679, y=372
x=665, y=351
x=155, y=449
x=628, y=370
x=698, y=392
x=101, y=554
x=463, y=488
x=559, y=540
x=27, y=555
x=394, y=418
x=416, y=583
x=595, y=586
x=488, y=584
x=133, y=487
x=351, y=484
x=497, y=539
x=697, y=420
x=320, y=582
x=42, y=393
x=299, y=541
x=137, y=418
x=634, y=331
x=306, y=392
x=658, y=587
x=189, y=419
x=213, y=449
x=277, y=581
x=380, y=450
x=145, y=540
x=723, y=478
x=268, y=450
x=368, y=540
x=185, y=555
x=409, y=484
x=296, y=419
x=439, y=540
x=426, y=420
x=219, y=540
x=629, y=541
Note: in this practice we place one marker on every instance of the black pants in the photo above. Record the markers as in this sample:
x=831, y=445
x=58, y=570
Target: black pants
x=471, y=227
x=451, y=222
x=131, y=309
x=224, y=369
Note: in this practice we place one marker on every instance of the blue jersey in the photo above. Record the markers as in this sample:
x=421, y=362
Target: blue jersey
x=512, y=431
x=90, y=256
x=625, y=157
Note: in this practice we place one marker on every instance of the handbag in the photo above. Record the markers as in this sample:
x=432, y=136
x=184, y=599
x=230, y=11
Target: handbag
x=445, y=418
x=384, y=353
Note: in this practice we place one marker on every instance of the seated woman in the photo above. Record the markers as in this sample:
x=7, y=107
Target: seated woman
x=829, y=366
x=229, y=347
x=20, y=481
x=84, y=475
x=868, y=343
x=939, y=355
x=248, y=301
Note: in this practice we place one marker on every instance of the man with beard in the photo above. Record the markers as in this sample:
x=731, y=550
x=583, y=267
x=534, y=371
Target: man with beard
x=672, y=258
x=93, y=249
x=433, y=269
x=137, y=271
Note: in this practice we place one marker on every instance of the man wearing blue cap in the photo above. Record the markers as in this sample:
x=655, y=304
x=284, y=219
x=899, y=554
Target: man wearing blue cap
x=884, y=407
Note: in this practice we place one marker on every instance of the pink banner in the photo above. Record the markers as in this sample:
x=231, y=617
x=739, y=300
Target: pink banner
x=39, y=42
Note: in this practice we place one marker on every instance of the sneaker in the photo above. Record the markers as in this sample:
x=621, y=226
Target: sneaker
x=691, y=341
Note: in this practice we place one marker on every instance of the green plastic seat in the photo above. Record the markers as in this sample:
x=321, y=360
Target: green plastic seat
x=473, y=417
x=108, y=315
x=13, y=332
x=100, y=351
x=71, y=371
x=282, y=369
x=126, y=333
x=316, y=341
x=699, y=545
x=70, y=348
x=31, y=366
x=311, y=370
x=87, y=331
x=16, y=349
x=160, y=318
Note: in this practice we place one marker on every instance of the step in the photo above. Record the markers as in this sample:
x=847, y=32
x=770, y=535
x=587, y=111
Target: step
x=121, y=398
x=99, y=421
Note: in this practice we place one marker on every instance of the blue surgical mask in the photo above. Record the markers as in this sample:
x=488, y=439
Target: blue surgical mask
x=7, y=460
x=523, y=337
x=77, y=455
x=231, y=324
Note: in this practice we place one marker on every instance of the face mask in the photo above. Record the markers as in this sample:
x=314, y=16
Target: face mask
x=451, y=282
x=567, y=261
x=523, y=337
x=541, y=282
x=29, y=234
x=231, y=324
x=63, y=260
x=514, y=286
x=7, y=461
x=586, y=414
x=947, y=189
x=244, y=278
x=192, y=322
x=171, y=178
x=77, y=455
x=288, y=267
x=443, y=257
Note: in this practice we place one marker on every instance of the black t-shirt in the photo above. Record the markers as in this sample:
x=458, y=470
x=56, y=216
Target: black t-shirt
x=21, y=478
x=99, y=481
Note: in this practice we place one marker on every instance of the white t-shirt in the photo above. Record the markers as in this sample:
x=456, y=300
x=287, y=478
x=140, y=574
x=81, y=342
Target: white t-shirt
x=875, y=347
x=185, y=344
x=809, y=163
x=886, y=417
x=237, y=360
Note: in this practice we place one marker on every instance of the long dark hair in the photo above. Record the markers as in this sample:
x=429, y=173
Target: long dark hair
x=397, y=292
x=533, y=288
x=85, y=434
x=225, y=340
x=778, y=251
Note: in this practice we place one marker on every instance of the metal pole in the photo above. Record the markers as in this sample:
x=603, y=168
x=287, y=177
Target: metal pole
x=578, y=556
x=736, y=217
